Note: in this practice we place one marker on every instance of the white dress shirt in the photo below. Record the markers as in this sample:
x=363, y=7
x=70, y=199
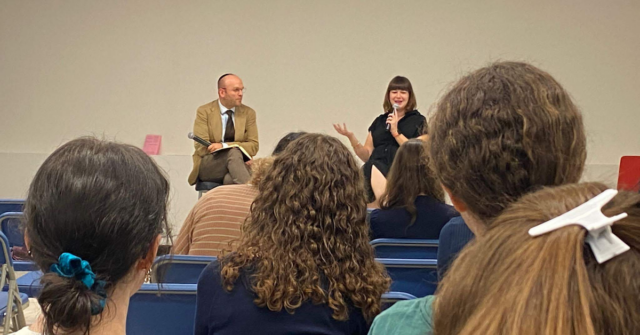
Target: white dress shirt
x=225, y=117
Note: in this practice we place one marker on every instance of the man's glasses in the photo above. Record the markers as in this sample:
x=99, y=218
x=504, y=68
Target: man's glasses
x=236, y=90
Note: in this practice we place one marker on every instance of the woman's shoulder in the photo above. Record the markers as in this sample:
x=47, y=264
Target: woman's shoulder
x=405, y=317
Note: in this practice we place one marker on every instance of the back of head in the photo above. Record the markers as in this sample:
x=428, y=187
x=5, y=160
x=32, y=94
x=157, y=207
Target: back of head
x=284, y=142
x=307, y=238
x=409, y=177
x=101, y=201
x=503, y=131
x=511, y=283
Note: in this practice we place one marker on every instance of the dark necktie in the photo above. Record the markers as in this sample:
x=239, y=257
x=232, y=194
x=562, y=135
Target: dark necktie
x=230, y=131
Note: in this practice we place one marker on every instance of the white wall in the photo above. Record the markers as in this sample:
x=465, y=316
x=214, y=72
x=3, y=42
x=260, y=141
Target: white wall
x=124, y=69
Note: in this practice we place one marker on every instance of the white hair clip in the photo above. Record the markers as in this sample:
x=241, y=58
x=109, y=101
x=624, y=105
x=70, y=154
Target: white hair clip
x=604, y=244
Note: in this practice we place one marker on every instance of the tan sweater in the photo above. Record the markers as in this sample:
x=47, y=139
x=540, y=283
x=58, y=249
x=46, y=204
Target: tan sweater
x=215, y=220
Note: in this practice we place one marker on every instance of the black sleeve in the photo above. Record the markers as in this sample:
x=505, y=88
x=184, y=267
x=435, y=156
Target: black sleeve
x=374, y=125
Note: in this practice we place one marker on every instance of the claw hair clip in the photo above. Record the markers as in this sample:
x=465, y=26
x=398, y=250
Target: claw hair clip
x=604, y=244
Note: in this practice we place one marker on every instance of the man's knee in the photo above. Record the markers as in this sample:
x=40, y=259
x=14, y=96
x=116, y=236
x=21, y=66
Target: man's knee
x=234, y=153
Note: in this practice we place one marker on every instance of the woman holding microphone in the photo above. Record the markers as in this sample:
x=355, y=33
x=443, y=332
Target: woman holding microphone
x=399, y=123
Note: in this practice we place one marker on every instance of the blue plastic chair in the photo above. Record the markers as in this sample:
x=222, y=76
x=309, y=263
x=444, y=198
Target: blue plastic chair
x=10, y=224
x=168, y=309
x=179, y=269
x=390, y=298
x=11, y=205
x=11, y=301
x=405, y=248
x=29, y=283
x=418, y=277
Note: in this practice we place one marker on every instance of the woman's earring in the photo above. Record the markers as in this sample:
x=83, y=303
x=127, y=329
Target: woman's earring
x=29, y=252
x=147, y=277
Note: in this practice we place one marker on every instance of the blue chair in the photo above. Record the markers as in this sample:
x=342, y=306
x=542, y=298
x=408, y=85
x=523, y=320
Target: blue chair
x=179, y=269
x=162, y=309
x=10, y=224
x=418, y=277
x=405, y=248
x=29, y=283
x=390, y=298
x=11, y=205
x=11, y=301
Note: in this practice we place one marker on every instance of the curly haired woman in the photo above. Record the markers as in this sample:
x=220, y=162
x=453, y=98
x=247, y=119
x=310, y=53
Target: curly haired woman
x=303, y=264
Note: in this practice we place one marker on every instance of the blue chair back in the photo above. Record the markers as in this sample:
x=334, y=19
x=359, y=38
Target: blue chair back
x=5, y=252
x=179, y=269
x=10, y=225
x=168, y=309
x=11, y=205
x=405, y=248
x=390, y=298
x=418, y=277
x=29, y=283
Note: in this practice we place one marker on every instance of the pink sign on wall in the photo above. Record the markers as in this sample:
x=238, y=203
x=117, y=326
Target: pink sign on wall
x=152, y=144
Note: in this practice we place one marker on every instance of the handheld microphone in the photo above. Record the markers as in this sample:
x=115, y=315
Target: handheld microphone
x=395, y=107
x=199, y=139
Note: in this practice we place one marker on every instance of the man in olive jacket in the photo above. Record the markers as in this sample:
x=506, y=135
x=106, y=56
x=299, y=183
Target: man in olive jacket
x=224, y=122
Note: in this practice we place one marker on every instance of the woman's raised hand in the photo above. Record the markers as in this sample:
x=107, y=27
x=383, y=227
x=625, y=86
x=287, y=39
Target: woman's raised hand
x=342, y=130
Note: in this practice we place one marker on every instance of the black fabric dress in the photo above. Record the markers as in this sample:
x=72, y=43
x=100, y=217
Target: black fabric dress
x=385, y=145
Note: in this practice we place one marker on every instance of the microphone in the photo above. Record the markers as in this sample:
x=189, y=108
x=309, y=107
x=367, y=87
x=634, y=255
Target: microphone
x=395, y=107
x=199, y=139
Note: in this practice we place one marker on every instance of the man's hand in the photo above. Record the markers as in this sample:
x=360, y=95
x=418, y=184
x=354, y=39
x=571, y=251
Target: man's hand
x=214, y=146
x=249, y=162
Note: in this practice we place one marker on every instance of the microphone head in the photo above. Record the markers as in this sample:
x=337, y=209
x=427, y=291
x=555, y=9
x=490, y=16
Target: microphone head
x=396, y=105
x=190, y=135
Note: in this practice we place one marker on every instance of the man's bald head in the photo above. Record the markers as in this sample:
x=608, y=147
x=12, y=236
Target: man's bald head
x=230, y=90
x=222, y=81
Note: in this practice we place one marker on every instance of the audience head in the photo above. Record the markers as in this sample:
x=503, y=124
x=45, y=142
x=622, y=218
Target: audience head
x=105, y=203
x=501, y=132
x=511, y=283
x=399, y=92
x=230, y=90
x=307, y=238
x=409, y=177
x=284, y=142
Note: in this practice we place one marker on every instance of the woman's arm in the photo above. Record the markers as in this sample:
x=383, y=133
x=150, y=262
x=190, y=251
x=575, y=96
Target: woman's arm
x=362, y=151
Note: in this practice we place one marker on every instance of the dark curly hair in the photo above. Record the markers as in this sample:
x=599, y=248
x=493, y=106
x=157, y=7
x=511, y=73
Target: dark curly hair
x=409, y=177
x=307, y=238
x=503, y=131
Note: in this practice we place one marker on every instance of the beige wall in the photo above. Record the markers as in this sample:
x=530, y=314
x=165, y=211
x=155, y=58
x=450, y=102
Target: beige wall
x=124, y=69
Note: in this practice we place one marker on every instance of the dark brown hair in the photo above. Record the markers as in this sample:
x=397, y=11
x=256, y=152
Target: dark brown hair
x=403, y=84
x=307, y=238
x=508, y=282
x=101, y=201
x=503, y=131
x=409, y=177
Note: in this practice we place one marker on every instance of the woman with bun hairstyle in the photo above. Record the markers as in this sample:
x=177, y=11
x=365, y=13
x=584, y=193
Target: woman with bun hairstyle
x=95, y=214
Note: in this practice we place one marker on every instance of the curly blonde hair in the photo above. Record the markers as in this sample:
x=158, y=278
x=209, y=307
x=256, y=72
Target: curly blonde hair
x=307, y=236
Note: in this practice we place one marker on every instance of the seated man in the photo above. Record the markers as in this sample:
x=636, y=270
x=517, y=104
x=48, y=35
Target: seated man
x=216, y=218
x=224, y=122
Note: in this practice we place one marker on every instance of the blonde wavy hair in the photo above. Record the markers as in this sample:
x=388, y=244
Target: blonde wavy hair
x=508, y=282
x=307, y=238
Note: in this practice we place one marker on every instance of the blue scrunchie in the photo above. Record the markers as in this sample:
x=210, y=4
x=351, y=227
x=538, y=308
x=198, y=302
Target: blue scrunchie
x=71, y=266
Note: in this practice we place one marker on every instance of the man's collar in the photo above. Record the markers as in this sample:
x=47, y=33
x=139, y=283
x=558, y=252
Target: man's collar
x=224, y=109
